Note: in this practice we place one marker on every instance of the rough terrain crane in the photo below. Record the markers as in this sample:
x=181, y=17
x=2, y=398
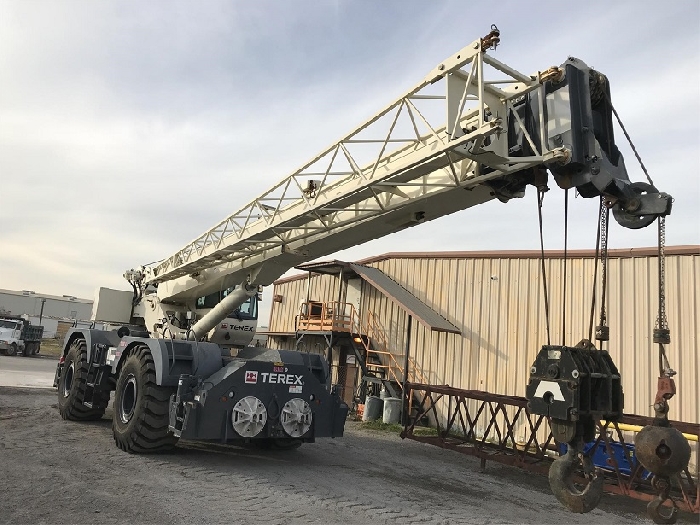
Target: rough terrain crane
x=497, y=131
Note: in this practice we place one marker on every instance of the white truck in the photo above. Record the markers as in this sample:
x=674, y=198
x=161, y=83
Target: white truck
x=172, y=360
x=19, y=336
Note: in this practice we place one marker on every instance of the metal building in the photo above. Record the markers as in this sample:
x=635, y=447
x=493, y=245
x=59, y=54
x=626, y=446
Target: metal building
x=494, y=302
x=27, y=302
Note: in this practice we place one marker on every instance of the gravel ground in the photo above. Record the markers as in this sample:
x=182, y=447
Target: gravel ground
x=54, y=471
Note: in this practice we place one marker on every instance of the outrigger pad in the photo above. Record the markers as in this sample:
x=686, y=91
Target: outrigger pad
x=567, y=383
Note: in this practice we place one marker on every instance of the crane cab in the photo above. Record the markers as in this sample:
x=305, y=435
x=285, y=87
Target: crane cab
x=238, y=329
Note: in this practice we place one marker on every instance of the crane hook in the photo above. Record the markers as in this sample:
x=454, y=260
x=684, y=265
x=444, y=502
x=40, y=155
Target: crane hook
x=563, y=486
x=663, y=487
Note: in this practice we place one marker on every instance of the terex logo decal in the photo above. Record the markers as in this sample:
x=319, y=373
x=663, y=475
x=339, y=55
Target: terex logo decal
x=251, y=377
x=282, y=379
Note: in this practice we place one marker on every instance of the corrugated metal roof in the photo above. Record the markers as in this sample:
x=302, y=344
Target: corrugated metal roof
x=333, y=267
x=29, y=293
x=616, y=253
x=409, y=302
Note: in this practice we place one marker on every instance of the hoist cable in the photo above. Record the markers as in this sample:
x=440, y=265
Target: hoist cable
x=540, y=199
x=595, y=271
x=566, y=239
x=629, y=139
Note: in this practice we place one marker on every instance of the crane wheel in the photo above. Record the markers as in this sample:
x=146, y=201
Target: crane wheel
x=141, y=407
x=72, y=386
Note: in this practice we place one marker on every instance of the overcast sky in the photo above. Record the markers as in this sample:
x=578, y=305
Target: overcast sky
x=129, y=128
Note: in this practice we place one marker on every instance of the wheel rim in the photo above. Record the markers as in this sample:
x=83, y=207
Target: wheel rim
x=68, y=381
x=128, y=401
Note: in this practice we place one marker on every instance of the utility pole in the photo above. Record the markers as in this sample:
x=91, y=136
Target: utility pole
x=41, y=312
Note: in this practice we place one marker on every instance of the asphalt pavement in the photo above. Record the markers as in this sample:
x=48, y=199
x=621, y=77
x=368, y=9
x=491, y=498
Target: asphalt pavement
x=35, y=372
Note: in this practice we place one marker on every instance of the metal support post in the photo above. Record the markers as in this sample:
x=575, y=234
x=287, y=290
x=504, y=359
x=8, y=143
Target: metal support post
x=404, y=405
x=41, y=312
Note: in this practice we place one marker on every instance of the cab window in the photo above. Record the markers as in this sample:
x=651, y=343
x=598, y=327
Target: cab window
x=248, y=310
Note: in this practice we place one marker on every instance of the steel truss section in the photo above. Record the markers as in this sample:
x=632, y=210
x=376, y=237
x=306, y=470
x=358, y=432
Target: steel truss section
x=438, y=137
x=501, y=428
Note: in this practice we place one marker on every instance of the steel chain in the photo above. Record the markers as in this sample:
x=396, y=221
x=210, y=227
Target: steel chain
x=604, y=216
x=662, y=322
x=661, y=334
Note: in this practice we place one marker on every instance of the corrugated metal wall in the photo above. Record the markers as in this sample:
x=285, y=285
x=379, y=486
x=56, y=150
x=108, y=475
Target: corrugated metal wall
x=497, y=302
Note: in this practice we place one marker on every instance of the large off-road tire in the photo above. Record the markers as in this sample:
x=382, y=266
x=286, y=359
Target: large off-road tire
x=71, y=386
x=140, y=422
x=12, y=350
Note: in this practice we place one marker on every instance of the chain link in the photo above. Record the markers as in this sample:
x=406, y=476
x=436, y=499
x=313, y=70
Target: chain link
x=604, y=216
x=662, y=333
x=661, y=321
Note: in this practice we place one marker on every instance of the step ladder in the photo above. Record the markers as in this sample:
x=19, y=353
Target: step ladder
x=96, y=378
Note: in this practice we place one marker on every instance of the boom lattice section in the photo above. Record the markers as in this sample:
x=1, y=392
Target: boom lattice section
x=436, y=138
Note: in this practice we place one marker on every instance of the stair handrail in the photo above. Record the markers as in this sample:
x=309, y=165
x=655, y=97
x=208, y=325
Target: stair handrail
x=372, y=330
x=376, y=332
x=333, y=316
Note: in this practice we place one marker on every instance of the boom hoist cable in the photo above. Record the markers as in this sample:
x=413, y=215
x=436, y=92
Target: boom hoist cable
x=540, y=200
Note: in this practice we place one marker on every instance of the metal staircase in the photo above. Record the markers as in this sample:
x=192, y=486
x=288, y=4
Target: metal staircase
x=368, y=340
x=381, y=360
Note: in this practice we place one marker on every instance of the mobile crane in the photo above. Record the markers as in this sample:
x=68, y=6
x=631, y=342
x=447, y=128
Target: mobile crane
x=497, y=131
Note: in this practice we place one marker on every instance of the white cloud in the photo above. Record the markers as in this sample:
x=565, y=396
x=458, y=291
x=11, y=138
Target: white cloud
x=126, y=129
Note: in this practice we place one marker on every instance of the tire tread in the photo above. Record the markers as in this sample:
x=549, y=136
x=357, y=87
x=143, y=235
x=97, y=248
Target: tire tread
x=75, y=410
x=151, y=433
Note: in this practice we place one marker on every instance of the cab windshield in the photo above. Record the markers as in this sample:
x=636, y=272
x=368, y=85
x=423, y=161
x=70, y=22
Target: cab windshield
x=248, y=310
x=4, y=323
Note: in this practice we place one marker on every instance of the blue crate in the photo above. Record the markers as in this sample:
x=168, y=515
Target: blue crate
x=604, y=462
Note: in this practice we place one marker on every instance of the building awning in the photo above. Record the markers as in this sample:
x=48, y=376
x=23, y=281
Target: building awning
x=334, y=267
x=405, y=299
